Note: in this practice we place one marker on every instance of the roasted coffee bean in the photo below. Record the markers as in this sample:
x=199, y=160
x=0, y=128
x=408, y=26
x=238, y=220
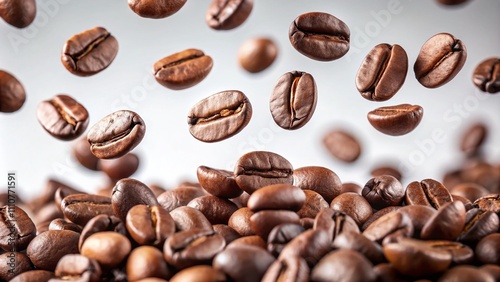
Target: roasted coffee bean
x=386, y=170
x=427, y=192
x=218, y=182
x=47, y=248
x=219, y=116
x=155, y=9
x=107, y=248
x=486, y=75
x=216, y=210
x=262, y=222
x=227, y=232
x=389, y=227
x=12, y=93
x=19, y=14
x=382, y=72
x=478, y=224
x=318, y=179
x=313, y=205
x=335, y=223
x=62, y=192
x=439, y=60
x=63, y=117
x=16, y=228
x=342, y=145
x=77, y=267
x=252, y=240
x=80, y=208
x=34, y=276
x=396, y=120
x=203, y=273
x=240, y=263
x=89, y=52
x=416, y=258
x=12, y=264
x=192, y=247
x=385, y=272
x=383, y=191
x=467, y=203
x=489, y=202
x=183, y=69
x=419, y=216
x=257, y=169
x=488, y=249
x=343, y=265
x=451, y=2
x=226, y=15
x=179, y=197
x=48, y=213
x=257, y=54
x=61, y=224
x=101, y=223
x=116, y=134
x=350, y=187
x=353, y=205
x=460, y=254
x=473, y=138
x=146, y=261
x=465, y=273
x=320, y=36
x=240, y=221
x=81, y=152
x=48, y=194
x=470, y=191
x=281, y=235
x=129, y=192
x=119, y=168
x=277, y=197
x=378, y=214
x=187, y=218
x=359, y=243
x=446, y=224
x=311, y=245
x=149, y=225
x=293, y=100
x=241, y=200
x=493, y=270
x=289, y=269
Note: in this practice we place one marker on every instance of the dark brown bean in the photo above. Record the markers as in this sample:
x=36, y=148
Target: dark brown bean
x=318, y=179
x=488, y=249
x=446, y=224
x=80, y=208
x=262, y=222
x=288, y=269
x=149, y=225
x=47, y=248
x=388, y=227
x=277, y=197
x=146, y=261
x=486, y=75
x=179, y=197
x=77, y=267
x=19, y=14
x=281, y=235
x=335, y=223
x=129, y=192
x=61, y=224
x=187, y=218
x=478, y=224
x=311, y=245
x=359, y=243
x=216, y=210
x=342, y=145
x=427, y=192
x=257, y=54
x=17, y=229
x=226, y=15
x=353, y=205
x=465, y=273
x=343, y=265
x=240, y=221
x=473, y=138
x=101, y=223
x=12, y=264
x=460, y=254
x=396, y=120
x=227, y=232
x=383, y=191
x=155, y=9
x=313, y=205
x=470, y=191
x=218, y=182
x=489, y=202
x=350, y=187
x=12, y=93
x=419, y=216
x=119, y=168
x=376, y=215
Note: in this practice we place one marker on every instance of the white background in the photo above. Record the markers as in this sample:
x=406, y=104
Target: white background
x=168, y=152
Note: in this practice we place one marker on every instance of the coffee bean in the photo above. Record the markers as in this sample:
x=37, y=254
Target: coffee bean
x=288, y=269
x=262, y=222
x=227, y=232
x=385, y=272
x=19, y=14
x=216, y=210
x=396, y=120
x=419, y=216
x=253, y=240
x=311, y=245
x=350, y=187
x=335, y=223
x=146, y=261
x=439, y=60
x=473, y=138
x=489, y=202
x=343, y=265
x=460, y=254
x=416, y=258
x=257, y=54
x=451, y=2
x=427, y=192
x=203, y=273
x=192, y=247
x=77, y=267
x=81, y=152
x=179, y=197
x=342, y=145
x=257, y=169
x=386, y=170
x=389, y=227
x=488, y=249
x=226, y=15
x=281, y=235
x=319, y=36
x=15, y=227
x=218, y=182
x=48, y=213
x=240, y=221
x=465, y=273
x=277, y=197
x=478, y=224
x=493, y=270
x=80, y=208
x=240, y=263
x=129, y=192
x=116, y=134
x=293, y=100
x=12, y=93
x=470, y=191
x=313, y=205
x=63, y=117
x=62, y=192
x=107, y=248
x=242, y=200
x=101, y=223
x=155, y=9
x=89, y=52
x=446, y=224
x=12, y=264
x=383, y=191
x=149, y=225
x=183, y=69
x=359, y=243
x=187, y=218
x=467, y=203
x=34, y=276
x=318, y=179
x=47, y=248
x=353, y=205
x=382, y=72
x=119, y=168
x=378, y=214
x=219, y=116
x=486, y=75
x=61, y=224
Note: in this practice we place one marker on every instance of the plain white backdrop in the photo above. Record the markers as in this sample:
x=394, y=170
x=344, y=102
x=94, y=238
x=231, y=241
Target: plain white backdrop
x=168, y=152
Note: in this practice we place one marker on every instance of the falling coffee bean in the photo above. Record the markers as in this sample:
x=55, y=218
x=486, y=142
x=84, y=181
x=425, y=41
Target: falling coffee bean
x=155, y=9
x=18, y=13
x=228, y=14
x=486, y=75
x=12, y=93
x=396, y=120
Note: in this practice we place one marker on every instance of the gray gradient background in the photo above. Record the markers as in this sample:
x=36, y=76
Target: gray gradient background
x=170, y=154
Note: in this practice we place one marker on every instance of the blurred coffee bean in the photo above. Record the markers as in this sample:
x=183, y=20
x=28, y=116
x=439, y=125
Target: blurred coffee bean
x=473, y=139
x=19, y=14
x=12, y=264
x=228, y=233
x=240, y=221
x=313, y=205
x=203, y=273
x=257, y=54
x=16, y=228
x=226, y=15
x=342, y=145
x=486, y=75
x=218, y=182
x=343, y=265
x=277, y=197
x=119, y=168
x=446, y=224
x=155, y=9
x=61, y=224
x=77, y=267
x=281, y=235
x=353, y=205
x=262, y=222
x=146, y=262
x=288, y=269
x=478, y=224
x=12, y=93
x=488, y=249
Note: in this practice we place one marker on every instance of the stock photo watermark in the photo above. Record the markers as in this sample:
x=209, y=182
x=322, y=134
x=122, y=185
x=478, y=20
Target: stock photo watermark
x=10, y=221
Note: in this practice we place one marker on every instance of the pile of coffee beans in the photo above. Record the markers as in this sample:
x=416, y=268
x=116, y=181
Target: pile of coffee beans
x=265, y=220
